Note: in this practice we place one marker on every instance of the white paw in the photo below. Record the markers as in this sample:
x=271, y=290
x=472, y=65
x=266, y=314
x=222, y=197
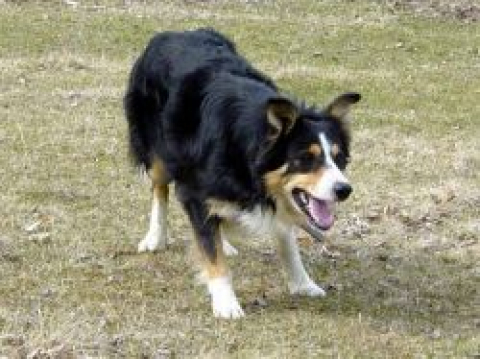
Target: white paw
x=224, y=302
x=307, y=288
x=228, y=249
x=152, y=241
x=227, y=308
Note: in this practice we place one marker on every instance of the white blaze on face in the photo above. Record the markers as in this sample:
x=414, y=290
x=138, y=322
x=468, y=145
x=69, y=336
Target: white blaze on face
x=324, y=189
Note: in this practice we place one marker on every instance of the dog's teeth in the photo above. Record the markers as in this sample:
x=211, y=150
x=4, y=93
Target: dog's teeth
x=304, y=197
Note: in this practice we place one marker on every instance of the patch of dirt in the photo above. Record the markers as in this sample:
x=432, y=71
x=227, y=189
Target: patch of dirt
x=463, y=10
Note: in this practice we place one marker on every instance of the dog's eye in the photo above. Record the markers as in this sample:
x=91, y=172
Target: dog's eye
x=306, y=157
x=303, y=161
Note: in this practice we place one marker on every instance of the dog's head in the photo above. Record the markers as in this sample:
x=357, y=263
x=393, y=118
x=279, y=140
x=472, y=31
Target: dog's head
x=307, y=152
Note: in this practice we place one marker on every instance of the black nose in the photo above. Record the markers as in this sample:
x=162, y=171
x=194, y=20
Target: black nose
x=342, y=190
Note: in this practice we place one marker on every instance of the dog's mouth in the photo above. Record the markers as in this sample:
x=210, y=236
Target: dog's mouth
x=319, y=212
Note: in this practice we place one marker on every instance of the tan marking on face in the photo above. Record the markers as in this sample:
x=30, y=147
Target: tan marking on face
x=315, y=149
x=285, y=203
x=280, y=185
x=274, y=180
x=335, y=149
x=305, y=181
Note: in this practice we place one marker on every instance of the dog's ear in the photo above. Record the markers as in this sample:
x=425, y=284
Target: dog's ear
x=281, y=115
x=340, y=106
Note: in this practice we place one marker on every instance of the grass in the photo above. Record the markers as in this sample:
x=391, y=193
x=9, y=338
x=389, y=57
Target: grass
x=405, y=281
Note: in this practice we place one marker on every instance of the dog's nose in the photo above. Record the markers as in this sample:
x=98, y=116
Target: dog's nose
x=342, y=190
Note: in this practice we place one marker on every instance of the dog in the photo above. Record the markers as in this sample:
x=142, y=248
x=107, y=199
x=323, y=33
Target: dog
x=239, y=152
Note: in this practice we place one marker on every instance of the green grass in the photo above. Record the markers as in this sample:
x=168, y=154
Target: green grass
x=72, y=210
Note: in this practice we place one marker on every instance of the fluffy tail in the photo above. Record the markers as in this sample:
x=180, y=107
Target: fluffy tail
x=143, y=103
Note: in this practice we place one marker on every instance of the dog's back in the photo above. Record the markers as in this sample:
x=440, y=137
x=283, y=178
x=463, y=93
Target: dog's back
x=168, y=60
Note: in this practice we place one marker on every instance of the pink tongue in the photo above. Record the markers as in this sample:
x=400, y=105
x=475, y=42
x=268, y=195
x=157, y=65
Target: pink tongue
x=320, y=212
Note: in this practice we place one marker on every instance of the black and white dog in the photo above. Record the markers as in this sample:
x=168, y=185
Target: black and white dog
x=239, y=152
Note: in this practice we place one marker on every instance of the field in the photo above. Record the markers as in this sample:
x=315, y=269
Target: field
x=401, y=265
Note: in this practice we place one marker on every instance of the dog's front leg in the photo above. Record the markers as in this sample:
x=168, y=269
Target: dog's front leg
x=212, y=260
x=299, y=281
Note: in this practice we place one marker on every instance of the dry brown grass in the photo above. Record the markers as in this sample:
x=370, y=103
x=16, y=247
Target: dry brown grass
x=405, y=281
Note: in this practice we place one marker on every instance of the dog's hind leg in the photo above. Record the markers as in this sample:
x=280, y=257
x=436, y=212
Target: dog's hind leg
x=299, y=281
x=226, y=232
x=156, y=237
x=212, y=261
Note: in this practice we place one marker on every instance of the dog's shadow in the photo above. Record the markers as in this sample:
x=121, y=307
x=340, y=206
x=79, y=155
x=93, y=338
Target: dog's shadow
x=423, y=292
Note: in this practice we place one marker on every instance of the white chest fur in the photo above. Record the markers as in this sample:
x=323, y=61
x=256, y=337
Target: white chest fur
x=258, y=221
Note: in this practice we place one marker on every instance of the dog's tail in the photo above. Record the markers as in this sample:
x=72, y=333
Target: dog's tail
x=143, y=104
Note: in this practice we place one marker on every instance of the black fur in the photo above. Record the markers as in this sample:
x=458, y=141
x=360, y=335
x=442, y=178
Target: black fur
x=200, y=107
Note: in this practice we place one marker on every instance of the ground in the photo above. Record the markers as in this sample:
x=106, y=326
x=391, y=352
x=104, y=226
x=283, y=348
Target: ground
x=402, y=263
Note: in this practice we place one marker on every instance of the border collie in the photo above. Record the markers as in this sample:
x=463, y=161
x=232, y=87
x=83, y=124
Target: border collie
x=239, y=152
